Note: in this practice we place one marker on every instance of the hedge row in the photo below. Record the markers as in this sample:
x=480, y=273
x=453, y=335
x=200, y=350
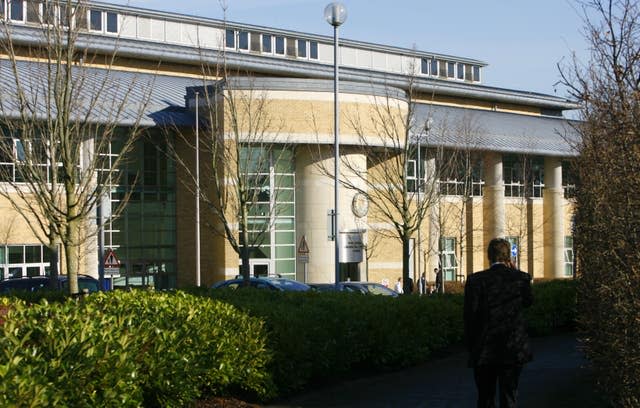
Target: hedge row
x=128, y=350
x=168, y=349
x=328, y=335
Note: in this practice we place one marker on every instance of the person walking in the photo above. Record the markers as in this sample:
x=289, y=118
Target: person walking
x=438, y=273
x=422, y=284
x=494, y=326
x=398, y=286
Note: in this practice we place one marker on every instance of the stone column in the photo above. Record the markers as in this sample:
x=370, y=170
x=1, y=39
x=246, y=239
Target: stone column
x=314, y=198
x=493, y=208
x=553, y=210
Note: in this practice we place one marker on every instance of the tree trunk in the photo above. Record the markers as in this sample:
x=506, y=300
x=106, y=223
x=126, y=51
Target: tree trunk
x=72, y=252
x=407, y=282
x=53, y=265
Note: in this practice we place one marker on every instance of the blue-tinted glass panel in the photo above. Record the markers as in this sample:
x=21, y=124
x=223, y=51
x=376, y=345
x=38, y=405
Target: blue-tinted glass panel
x=424, y=68
x=95, y=20
x=230, y=38
x=280, y=45
x=112, y=22
x=302, y=48
x=434, y=66
x=313, y=49
x=243, y=40
x=17, y=12
x=266, y=43
x=476, y=73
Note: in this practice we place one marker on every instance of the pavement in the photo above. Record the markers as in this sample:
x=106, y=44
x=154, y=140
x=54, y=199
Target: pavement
x=559, y=376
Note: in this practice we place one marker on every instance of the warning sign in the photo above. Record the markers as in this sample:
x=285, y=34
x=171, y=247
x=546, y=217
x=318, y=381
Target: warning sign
x=111, y=260
x=303, y=248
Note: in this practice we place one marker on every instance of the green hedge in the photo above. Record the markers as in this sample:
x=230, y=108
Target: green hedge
x=319, y=335
x=167, y=349
x=129, y=349
x=554, y=307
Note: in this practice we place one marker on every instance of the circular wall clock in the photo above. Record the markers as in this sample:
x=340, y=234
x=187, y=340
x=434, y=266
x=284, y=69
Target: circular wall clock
x=360, y=205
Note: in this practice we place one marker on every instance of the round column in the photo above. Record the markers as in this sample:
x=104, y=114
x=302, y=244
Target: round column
x=553, y=208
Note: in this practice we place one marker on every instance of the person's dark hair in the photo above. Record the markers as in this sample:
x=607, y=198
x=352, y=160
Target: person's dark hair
x=499, y=250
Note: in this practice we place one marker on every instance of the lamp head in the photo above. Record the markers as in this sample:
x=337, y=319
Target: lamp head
x=335, y=13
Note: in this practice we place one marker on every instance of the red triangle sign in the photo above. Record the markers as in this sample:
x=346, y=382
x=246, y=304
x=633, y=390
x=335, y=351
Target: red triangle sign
x=111, y=261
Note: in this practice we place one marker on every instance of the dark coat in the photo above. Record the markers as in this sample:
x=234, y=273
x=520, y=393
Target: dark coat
x=494, y=325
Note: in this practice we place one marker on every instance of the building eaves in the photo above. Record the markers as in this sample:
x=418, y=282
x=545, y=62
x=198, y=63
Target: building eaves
x=483, y=130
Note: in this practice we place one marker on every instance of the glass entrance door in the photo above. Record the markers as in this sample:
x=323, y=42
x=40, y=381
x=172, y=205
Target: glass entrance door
x=260, y=267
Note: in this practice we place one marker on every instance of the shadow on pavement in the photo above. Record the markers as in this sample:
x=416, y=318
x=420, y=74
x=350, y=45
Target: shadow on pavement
x=557, y=377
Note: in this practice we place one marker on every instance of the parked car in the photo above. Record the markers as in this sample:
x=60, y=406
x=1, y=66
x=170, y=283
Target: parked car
x=367, y=288
x=34, y=283
x=281, y=284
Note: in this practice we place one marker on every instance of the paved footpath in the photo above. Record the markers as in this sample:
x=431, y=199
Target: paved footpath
x=558, y=377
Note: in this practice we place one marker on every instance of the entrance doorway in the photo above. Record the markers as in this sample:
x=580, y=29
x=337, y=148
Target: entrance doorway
x=260, y=267
x=350, y=272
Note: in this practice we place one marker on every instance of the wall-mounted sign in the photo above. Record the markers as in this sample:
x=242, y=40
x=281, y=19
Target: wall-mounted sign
x=351, y=247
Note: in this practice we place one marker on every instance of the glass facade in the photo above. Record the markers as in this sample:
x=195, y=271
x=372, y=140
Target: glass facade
x=271, y=172
x=144, y=235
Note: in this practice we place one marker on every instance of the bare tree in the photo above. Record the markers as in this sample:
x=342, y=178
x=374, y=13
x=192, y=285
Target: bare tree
x=60, y=117
x=607, y=221
x=399, y=193
x=245, y=147
x=460, y=176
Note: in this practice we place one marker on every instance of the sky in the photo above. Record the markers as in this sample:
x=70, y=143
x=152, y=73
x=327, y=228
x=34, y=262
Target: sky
x=522, y=41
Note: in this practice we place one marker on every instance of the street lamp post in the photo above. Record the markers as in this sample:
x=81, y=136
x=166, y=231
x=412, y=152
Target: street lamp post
x=197, y=189
x=336, y=13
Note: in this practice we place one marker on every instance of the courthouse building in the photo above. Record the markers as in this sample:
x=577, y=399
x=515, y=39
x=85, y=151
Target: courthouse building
x=516, y=183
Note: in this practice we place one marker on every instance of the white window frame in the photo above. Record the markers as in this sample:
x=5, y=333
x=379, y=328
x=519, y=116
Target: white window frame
x=23, y=266
x=448, y=258
x=104, y=18
x=568, y=257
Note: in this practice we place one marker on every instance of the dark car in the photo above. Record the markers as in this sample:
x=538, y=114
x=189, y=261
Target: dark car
x=281, y=284
x=366, y=288
x=34, y=283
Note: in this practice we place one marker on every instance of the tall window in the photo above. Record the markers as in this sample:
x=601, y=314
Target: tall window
x=536, y=179
x=448, y=258
x=568, y=180
x=272, y=214
x=523, y=176
x=462, y=175
x=513, y=173
x=568, y=256
x=145, y=233
x=412, y=175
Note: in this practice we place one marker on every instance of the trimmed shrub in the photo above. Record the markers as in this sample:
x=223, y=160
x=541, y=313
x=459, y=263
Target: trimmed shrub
x=554, y=307
x=319, y=335
x=129, y=349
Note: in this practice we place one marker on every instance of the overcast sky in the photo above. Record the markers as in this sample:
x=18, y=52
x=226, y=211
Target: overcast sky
x=522, y=41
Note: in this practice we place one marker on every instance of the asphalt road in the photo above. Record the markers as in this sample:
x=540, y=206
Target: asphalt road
x=557, y=377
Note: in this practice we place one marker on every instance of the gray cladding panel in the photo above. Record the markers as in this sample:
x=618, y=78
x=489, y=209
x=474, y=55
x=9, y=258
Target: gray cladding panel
x=496, y=131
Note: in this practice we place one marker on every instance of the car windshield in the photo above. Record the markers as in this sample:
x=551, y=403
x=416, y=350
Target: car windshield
x=286, y=284
x=378, y=289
